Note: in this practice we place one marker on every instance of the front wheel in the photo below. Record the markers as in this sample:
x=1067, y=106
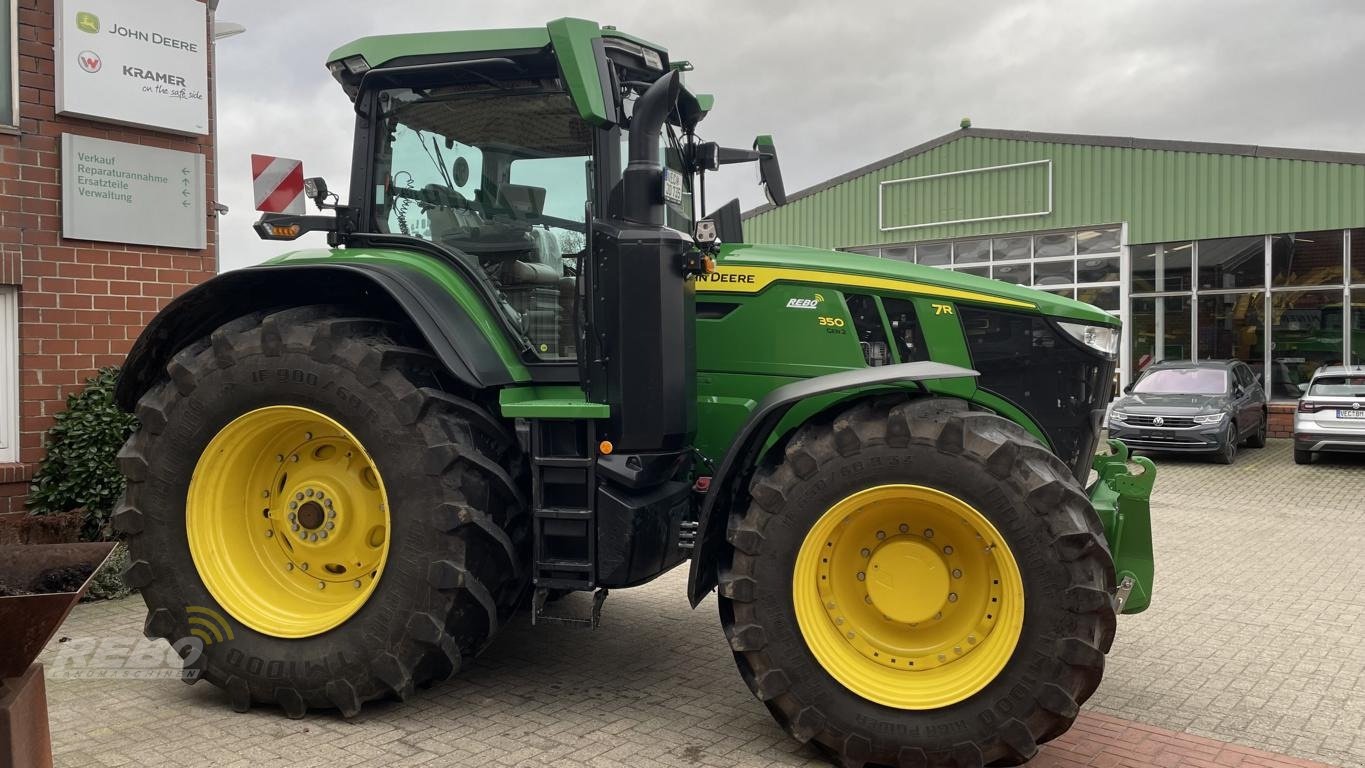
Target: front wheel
x=914, y=583
x=1227, y=450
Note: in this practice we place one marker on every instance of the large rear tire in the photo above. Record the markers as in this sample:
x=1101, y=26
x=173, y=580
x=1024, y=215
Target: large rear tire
x=311, y=449
x=982, y=604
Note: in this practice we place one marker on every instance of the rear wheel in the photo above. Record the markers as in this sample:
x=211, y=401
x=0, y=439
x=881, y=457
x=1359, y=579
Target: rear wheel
x=917, y=584
x=1257, y=439
x=306, y=499
x=1303, y=456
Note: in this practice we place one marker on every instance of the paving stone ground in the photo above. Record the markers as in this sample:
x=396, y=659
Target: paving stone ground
x=1255, y=641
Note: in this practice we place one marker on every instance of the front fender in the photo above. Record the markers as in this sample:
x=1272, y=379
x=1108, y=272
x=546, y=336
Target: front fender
x=731, y=481
x=399, y=291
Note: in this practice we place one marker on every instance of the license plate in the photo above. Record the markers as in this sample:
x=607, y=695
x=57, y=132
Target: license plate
x=1351, y=414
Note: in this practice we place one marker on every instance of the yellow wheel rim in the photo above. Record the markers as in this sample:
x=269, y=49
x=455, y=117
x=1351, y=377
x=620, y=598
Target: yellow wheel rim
x=908, y=596
x=288, y=521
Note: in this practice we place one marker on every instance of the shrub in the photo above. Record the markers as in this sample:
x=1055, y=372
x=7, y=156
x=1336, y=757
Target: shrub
x=107, y=583
x=80, y=471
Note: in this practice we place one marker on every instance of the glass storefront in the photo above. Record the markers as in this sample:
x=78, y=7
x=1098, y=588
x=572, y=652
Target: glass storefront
x=1278, y=303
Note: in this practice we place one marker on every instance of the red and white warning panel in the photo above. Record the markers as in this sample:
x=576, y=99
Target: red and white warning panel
x=278, y=184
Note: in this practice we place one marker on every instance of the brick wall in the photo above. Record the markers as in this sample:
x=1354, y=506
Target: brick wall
x=81, y=303
x=1281, y=421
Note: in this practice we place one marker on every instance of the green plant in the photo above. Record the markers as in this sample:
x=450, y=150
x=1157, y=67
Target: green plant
x=80, y=471
x=107, y=583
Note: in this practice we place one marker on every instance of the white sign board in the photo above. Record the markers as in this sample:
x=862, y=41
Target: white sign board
x=128, y=193
x=137, y=62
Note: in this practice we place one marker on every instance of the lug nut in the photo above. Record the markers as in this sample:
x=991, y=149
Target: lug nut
x=330, y=525
x=904, y=528
x=952, y=597
x=322, y=585
x=269, y=534
x=866, y=552
x=356, y=583
x=323, y=534
x=881, y=535
x=313, y=537
x=928, y=533
x=327, y=503
x=293, y=505
x=862, y=576
x=293, y=517
x=289, y=566
x=307, y=435
x=265, y=494
x=298, y=496
x=294, y=527
x=957, y=573
x=304, y=566
x=294, y=458
x=308, y=493
x=947, y=550
x=279, y=457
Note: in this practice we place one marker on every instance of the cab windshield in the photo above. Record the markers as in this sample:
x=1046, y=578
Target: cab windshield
x=501, y=175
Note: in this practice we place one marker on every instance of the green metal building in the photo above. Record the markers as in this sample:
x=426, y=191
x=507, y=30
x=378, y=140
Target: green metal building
x=1205, y=250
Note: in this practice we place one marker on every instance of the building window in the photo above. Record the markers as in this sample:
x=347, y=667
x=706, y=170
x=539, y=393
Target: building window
x=1231, y=262
x=1010, y=248
x=935, y=254
x=9, y=64
x=9, y=374
x=1232, y=326
x=1357, y=258
x=1308, y=332
x=971, y=251
x=1306, y=259
x=1159, y=329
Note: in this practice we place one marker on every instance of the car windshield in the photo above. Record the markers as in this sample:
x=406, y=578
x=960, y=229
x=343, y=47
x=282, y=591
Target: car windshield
x=1184, y=381
x=1338, y=386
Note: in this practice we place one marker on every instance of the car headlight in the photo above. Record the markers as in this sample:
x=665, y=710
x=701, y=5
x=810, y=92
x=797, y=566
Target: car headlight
x=1212, y=418
x=1118, y=416
x=1101, y=338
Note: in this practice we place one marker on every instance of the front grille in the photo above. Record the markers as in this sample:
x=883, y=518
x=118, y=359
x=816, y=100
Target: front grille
x=1173, y=422
x=1063, y=387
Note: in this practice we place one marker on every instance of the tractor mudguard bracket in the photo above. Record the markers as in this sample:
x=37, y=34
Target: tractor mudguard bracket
x=1122, y=499
x=731, y=480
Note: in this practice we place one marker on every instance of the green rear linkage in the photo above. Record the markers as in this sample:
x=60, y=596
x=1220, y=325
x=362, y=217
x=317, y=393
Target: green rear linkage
x=1122, y=499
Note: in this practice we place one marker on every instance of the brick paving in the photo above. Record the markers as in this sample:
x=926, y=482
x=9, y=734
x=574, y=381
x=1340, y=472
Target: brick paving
x=1254, y=646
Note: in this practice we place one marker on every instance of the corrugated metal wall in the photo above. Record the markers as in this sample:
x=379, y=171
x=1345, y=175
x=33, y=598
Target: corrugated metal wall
x=1164, y=195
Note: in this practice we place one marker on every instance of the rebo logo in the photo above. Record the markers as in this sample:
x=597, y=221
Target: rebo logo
x=89, y=61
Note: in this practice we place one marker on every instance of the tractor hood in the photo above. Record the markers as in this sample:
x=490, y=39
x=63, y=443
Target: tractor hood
x=777, y=262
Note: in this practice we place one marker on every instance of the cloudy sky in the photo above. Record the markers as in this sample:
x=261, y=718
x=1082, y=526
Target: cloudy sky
x=841, y=84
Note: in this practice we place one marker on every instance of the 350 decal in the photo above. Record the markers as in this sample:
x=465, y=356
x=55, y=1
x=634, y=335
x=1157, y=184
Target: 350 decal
x=832, y=324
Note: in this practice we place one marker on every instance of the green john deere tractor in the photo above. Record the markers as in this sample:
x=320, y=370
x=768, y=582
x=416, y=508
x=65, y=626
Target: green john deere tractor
x=524, y=367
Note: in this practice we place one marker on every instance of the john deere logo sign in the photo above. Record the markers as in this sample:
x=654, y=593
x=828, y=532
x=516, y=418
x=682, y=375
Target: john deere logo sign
x=87, y=22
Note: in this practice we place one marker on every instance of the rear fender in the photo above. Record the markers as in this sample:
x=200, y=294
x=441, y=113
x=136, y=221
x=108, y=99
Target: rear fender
x=386, y=290
x=730, y=484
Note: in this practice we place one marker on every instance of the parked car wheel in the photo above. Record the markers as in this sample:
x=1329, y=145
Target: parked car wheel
x=1303, y=456
x=1227, y=452
x=1257, y=440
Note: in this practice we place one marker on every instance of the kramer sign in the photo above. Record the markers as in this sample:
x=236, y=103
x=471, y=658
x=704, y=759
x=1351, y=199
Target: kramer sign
x=136, y=62
x=128, y=193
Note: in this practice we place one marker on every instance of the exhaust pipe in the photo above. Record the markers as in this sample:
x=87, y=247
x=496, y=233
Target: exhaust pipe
x=643, y=178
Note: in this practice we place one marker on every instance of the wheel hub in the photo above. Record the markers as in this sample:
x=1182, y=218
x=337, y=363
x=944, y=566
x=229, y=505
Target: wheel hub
x=908, y=596
x=907, y=580
x=287, y=521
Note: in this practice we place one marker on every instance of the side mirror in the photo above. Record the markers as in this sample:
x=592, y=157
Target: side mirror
x=769, y=172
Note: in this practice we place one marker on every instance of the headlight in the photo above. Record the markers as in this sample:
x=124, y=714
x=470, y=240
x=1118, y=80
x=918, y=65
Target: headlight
x=1212, y=418
x=1118, y=416
x=1101, y=338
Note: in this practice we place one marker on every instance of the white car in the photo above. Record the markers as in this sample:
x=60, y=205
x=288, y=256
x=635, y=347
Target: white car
x=1331, y=414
